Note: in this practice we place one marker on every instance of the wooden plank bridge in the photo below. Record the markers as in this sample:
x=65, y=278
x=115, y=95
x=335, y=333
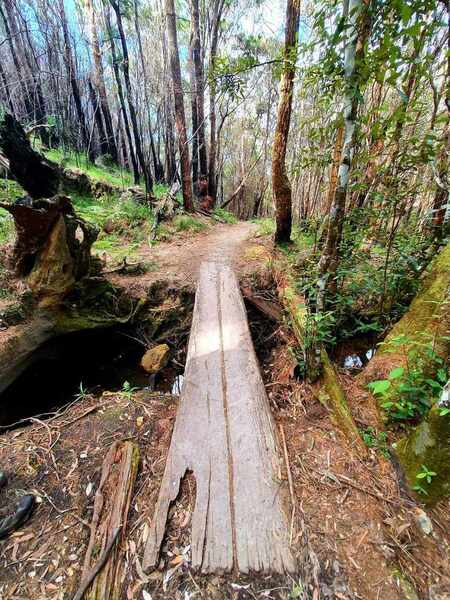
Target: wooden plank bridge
x=224, y=433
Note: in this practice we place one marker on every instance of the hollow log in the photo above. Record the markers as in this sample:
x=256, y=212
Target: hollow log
x=93, y=304
x=224, y=433
x=39, y=177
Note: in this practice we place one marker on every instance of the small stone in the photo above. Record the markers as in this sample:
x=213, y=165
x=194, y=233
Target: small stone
x=156, y=358
x=423, y=521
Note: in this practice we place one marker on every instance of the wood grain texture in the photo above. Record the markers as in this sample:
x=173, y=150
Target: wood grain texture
x=225, y=435
x=111, y=505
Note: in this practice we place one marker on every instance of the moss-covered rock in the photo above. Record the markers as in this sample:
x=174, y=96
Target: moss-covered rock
x=428, y=445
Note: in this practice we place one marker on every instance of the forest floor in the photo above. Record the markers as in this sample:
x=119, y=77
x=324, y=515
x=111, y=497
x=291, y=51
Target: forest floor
x=355, y=534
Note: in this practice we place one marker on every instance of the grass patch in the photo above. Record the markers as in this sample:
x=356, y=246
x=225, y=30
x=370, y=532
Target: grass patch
x=225, y=215
x=115, y=246
x=6, y=227
x=73, y=160
x=187, y=223
x=9, y=191
x=266, y=226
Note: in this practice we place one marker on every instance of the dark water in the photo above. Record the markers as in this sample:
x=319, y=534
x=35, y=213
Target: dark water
x=97, y=360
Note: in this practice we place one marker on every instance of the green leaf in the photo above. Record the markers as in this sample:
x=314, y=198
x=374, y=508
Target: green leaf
x=380, y=387
x=396, y=373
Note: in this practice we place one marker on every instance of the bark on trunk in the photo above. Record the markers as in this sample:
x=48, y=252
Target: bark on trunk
x=354, y=52
x=72, y=76
x=126, y=124
x=217, y=15
x=157, y=166
x=180, y=119
x=99, y=81
x=280, y=183
x=126, y=75
x=197, y=58
x=37, y=175
x=442, y=195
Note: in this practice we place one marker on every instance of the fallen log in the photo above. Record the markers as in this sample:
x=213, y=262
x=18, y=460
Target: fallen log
x=103, y=580
x=270, y=309
x=225, y=435
x=319, y=368
x=95, y=304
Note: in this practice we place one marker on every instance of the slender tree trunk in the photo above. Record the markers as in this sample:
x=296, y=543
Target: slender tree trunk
x=7, y=94
x=126, y=74
x=72, y=76
x=17, y=64
x=217, y=15
x=126, y=124
x=280, y=183
x=180, y=120
x=98, y=119
x=442, y=194
x=99, y=84
x=157, y=166
x=194, y=116
x=354, y=52
x=197, y=57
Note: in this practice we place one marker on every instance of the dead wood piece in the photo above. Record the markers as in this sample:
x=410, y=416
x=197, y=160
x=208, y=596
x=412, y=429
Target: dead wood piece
x=270, y=309
x=165, y=208
x=111, y=505
x=224, y=433
x=98, y=567
x=53, y=245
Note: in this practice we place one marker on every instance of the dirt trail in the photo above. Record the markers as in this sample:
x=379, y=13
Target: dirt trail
x=179, y=261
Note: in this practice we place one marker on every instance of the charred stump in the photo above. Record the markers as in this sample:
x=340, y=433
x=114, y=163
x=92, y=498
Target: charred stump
x=37, y=175
x=53, y=246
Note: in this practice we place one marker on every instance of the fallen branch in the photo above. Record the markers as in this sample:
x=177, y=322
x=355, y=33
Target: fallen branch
x=242, y=183
x=270, y=309
x=98, y=567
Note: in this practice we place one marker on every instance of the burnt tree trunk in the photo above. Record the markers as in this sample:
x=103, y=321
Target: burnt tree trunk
x=126, y=75
x=37, y=175
x=126, y=124
x=99, y=81
x=72, y=76
x=180, y=119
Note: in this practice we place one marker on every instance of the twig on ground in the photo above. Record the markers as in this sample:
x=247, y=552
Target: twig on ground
x=291, y=485
x=98, y=567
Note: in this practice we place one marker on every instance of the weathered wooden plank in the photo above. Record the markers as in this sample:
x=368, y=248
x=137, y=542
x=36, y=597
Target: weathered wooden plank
x=224, y=434
x=102, y=580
